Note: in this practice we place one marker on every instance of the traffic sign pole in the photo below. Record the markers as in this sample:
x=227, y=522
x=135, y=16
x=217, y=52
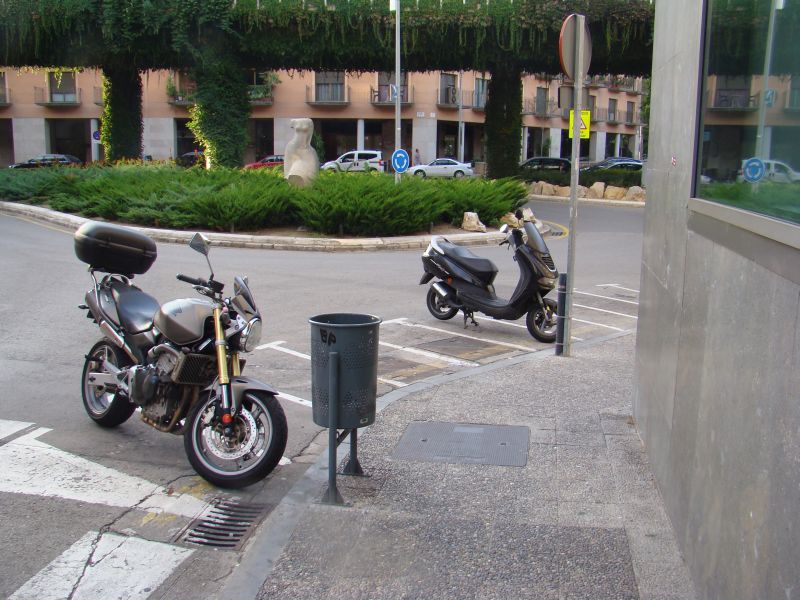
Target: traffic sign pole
x=398, y=143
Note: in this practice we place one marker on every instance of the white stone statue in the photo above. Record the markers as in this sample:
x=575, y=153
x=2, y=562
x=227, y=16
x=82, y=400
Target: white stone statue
x=300, y=160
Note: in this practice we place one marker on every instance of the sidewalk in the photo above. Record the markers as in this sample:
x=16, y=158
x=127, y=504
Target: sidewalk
x=581, y=519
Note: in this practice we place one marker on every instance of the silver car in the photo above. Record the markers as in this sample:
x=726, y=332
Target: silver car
x=442, y=167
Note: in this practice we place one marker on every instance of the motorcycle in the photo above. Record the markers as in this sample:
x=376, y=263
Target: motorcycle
x=465, y=282
x=179, y=363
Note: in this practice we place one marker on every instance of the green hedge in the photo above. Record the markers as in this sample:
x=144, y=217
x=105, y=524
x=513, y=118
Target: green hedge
x=162, y=195
x=617, y=177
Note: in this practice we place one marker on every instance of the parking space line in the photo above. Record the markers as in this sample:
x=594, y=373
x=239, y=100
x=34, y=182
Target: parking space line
x=603, y=310
x=598, y=324
x=442, y=357
x=295, y=399
x=607, y=297
x=614, y=285
x=511, y=324
x=464, y=335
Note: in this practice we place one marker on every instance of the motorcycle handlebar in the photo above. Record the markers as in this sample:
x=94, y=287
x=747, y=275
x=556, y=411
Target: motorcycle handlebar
x=192, y=280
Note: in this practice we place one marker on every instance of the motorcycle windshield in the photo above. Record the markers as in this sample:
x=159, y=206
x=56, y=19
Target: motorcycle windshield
x=535, y=239
x=243, y=299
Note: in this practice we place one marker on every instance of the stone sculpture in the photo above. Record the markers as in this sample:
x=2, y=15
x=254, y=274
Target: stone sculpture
x=300, y=160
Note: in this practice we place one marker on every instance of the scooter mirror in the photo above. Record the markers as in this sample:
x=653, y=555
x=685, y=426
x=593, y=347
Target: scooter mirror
x=200, y=243
x=504, y=228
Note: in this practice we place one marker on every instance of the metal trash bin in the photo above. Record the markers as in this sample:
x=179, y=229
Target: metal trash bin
x=355, y=338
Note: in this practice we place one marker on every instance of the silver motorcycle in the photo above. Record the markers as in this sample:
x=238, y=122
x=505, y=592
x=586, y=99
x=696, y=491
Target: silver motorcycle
x=179, y=363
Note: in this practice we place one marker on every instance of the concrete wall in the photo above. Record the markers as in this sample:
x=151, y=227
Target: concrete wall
x=718, y=352
x=158, y=137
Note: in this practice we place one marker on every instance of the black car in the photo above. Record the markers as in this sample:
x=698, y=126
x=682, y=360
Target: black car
x=546, y=163
x=48, y=160
x=190, y=159
x=624, y=164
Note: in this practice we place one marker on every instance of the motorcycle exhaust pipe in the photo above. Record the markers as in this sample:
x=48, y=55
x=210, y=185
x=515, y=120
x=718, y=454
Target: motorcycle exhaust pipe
x=446, y=293
x=116, y=338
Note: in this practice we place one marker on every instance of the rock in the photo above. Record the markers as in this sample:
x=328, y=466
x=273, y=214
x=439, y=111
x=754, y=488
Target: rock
x=614, y=193
x=636, y=194
x=548, y=189
x=596, y=191
x=536, y=188
x=562, y=191
x=527, y=215
x=472, y=223
x=510, y=220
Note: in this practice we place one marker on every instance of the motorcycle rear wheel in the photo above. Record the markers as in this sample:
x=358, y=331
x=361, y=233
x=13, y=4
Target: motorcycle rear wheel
x=106, y=408
x=542, y=321
x=437, y=308
x=247, y=456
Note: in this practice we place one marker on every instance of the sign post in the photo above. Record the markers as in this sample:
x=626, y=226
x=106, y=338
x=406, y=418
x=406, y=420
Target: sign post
x=394, y=5
x=575, y=52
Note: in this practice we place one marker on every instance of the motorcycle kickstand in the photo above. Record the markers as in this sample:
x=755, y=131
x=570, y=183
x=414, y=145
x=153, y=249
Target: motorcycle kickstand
x=469, y=315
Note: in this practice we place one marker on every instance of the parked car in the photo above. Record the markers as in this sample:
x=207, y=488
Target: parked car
x=775, y=171
x=546, y=163
x=190, y=159
x=442, y=167
x=626, y=164
x=271, y=160
x=357, y=160
x=48, y=160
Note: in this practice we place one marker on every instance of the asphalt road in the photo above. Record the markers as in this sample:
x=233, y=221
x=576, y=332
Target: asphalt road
x=63, y=476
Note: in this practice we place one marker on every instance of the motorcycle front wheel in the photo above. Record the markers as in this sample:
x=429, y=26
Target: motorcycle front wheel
x=437, y=308
x=106, y=407
x=246, y=454
x=541, y=321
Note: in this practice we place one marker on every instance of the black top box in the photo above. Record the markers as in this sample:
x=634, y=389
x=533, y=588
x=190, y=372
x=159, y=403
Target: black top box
x=114, y=249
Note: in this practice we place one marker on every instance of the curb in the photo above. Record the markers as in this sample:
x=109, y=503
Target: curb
x=263, y=242
x=561, y=199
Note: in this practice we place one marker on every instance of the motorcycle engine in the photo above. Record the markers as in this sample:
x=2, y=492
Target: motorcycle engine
x=160, y=404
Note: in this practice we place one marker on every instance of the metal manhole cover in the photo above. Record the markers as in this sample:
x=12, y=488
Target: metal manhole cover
x=464, y=443
x=225, y=524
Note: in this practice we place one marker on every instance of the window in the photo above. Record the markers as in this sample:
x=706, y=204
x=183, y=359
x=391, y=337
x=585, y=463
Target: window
x=3, y=94
x=748, y=154
x=329, y=86
x=612, y=110
x=385, y=83
x=481, y=87
x=448, y=89
x=62, y=87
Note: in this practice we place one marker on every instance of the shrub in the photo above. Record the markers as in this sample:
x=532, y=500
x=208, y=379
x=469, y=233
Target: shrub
x=617, y=177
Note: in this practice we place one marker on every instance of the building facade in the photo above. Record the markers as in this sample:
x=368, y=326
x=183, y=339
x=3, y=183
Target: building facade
x=442, y=114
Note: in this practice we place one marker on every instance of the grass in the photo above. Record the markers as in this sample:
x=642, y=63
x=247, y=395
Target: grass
x=163, y=195
x=781, y=200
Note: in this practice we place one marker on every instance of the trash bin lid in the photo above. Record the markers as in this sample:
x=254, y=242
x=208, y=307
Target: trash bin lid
x=348, y=320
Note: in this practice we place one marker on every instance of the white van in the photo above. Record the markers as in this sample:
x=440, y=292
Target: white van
x=357, y=160
x=774, y=170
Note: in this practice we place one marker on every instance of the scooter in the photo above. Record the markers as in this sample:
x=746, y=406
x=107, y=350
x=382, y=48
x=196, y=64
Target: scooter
x=465, y=282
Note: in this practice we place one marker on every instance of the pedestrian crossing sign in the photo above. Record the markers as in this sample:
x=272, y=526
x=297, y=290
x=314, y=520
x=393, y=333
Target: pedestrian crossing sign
x=586, y=117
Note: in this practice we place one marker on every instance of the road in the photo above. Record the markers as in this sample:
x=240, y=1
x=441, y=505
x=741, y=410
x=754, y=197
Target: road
x=70, y=490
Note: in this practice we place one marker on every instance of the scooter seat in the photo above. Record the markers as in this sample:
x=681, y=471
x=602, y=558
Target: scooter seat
x=136, y=308
x=483, y=268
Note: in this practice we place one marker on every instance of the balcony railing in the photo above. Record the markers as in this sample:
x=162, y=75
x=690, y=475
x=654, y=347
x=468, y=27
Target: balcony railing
x=622, y=84
x=329, y=94
x=448, y=97
x=5, y=97
x=44, y=97
x=260, y=95
x=792, y=101
x=382, y=95
x=544, y=109
x=478, y=100
x=733, y=100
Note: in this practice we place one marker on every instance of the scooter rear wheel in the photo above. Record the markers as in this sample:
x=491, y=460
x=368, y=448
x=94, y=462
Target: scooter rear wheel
x=439, y=309
x=541, y=321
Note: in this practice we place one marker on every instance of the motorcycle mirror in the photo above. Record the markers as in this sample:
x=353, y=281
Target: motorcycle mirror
x=200, y=243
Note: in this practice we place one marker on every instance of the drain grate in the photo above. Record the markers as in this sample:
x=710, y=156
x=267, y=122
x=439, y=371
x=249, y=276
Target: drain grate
x=226, y=524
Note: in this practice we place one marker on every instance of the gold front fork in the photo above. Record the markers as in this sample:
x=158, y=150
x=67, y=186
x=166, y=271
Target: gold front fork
x=236, y=368
x=222, y=356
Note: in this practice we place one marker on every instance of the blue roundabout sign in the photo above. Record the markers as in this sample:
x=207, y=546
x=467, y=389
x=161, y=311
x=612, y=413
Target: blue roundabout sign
x=754, y=170
x=400, y=161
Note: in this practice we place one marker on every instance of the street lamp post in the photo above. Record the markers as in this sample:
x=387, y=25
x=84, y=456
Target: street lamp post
x=398, y=141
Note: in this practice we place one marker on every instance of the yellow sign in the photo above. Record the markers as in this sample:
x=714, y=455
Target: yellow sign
x=586, y=117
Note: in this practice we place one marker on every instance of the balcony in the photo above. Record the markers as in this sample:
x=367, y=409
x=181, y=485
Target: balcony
x=328, y=94
x=623, y=84
x=98, y=96
x=733, y=101
x=448, y=97
x=56, y=98
x=478, y=100
x=543, y=109
x=382, y=95
x=598, y=81
x=260, y=95
x=5, y=97
x=792, y=104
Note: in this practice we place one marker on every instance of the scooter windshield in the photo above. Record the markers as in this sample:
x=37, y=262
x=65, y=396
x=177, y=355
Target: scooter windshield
x=535, y=239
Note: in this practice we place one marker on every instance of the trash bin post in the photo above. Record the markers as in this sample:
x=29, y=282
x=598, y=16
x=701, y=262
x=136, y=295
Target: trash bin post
x=332, y=495
x=353, y=467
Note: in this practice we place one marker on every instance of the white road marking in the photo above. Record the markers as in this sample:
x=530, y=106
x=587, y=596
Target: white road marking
x=464, y=335
x=603, y=310
x=598, y=324
x=9, y=428
x=512, y=324
x=614, y=285
x=607, y=297
x=32, y=467
x=441, y=357
x=295, y=399
x=105, y=566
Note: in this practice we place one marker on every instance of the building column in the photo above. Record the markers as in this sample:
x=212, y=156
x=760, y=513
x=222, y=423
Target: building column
x=597, y=146
x=94, y=132
x=30, y=138
x=617, y=144
x=423, y=137
x=555, y=142
x=524, y=153
x=766, y=147
x=159, y=137
x=360, y=134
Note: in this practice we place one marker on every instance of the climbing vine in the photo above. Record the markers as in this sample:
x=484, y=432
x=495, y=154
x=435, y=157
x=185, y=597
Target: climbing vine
x=503, y=121
x=121, y=131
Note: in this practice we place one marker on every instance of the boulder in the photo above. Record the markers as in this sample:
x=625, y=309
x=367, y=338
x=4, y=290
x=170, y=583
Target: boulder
x=596, y=191
x=614, y=193
x=527, y=215
x=510, y=220
x=472, y=223
x=536, y=188
x=562, y=191
x=548, y=189
x=636, y=194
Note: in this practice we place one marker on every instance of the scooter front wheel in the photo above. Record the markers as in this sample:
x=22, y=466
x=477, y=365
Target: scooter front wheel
x=439, y=309
x=541, y=321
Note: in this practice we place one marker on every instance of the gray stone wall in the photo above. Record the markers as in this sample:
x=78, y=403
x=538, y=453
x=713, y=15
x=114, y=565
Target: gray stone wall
x=717, y=384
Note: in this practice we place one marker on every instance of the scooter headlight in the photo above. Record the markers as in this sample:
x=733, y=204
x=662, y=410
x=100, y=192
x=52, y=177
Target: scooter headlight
x=251, y=335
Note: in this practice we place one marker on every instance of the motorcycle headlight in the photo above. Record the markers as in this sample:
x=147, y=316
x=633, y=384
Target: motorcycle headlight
x=251, y=335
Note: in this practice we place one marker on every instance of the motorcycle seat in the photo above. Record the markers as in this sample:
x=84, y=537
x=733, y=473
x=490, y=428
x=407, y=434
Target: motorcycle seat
x=483, y=268
x=136, y=308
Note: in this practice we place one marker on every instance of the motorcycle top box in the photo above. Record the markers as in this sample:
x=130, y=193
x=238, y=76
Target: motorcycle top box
x=113, y=249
